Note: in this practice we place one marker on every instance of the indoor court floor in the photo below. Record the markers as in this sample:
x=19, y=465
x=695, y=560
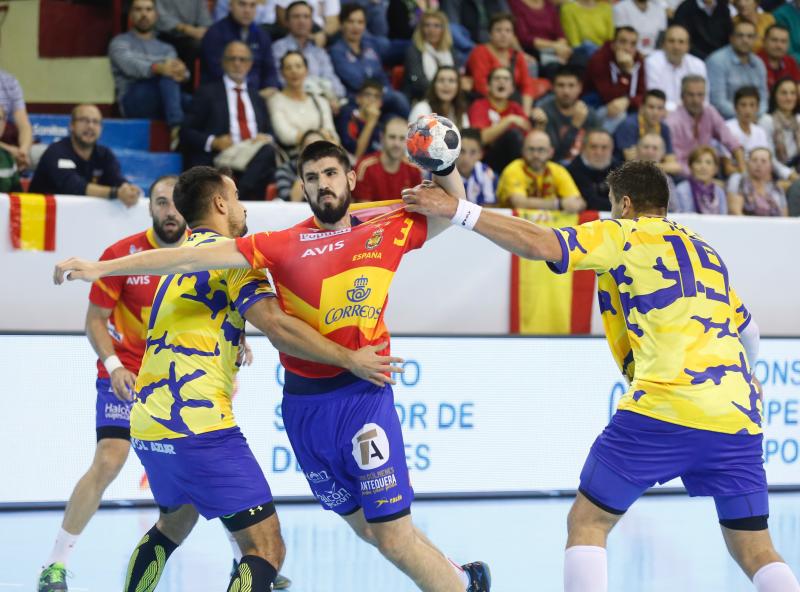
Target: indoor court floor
x=666, y=543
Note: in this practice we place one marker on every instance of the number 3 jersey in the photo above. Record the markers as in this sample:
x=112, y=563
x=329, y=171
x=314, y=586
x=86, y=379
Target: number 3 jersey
x=672, y=321
x=338, y=281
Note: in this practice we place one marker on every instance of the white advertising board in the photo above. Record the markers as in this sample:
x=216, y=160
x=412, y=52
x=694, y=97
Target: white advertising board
x=480, y=415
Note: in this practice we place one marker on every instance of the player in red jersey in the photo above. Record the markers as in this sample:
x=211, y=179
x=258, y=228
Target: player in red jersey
x=333, y=271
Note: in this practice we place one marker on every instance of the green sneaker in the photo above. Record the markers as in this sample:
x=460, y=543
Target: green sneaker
x=53, y=577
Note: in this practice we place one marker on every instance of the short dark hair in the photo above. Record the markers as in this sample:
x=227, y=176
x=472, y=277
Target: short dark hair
x=624, y=29
x=495, y=70
x=350, y=8
x=499, y=17
x=739, y=23
x=744, y=92
x=194, y=189
x=392, y=119
x=323, y=149
x=161, y=179
x=643, y=182
x=471, y=133
x=771, y=28
x=297, y=3
x=656, y=93
x=292, y=52
x=371, y=83
x=567, y=71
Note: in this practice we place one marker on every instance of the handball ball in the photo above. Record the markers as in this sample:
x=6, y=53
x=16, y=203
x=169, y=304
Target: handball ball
x=433, y=142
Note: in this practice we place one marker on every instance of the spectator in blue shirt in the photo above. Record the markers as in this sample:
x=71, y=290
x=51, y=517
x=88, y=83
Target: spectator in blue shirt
x=359, y=122
x=357, y=58
x=649, y=120
x=735, y=66
x=78, y=165
x=147, y=72
x=479, y=179
x=239, y=26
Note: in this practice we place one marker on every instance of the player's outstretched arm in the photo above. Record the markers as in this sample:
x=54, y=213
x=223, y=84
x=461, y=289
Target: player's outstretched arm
x=225, y=255
x=296, y=338
x=452, y=185
x=518, y=236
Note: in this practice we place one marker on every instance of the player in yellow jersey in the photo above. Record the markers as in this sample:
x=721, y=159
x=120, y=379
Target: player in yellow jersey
x=686, y=344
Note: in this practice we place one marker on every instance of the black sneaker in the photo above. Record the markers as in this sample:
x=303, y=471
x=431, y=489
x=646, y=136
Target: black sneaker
x=480, y=578
x=280, y=583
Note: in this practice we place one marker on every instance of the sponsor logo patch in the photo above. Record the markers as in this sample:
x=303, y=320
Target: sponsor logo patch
x=370, y=447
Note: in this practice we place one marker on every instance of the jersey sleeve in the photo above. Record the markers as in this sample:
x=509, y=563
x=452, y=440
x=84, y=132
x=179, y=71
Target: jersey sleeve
x=417, y=232
x=259, y=248
x=106, y=291
x=246, y=287
x=741, y=316
x=596, y=245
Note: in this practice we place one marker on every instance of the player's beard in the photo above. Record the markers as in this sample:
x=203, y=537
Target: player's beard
x=237, y=229
x=330, y=213
x=169, y=236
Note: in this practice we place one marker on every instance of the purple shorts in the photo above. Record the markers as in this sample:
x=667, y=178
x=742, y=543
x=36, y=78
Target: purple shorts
x=215, y=472
x=635, y=452
x=349, y=444
x=110, y=411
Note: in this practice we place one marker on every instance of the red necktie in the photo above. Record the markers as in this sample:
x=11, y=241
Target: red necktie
x=241, y=115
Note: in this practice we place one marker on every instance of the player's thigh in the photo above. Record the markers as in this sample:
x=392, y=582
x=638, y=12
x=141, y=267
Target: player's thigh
x=176, y=523
x=586, y=515
x=110, y=456
x=360, y=526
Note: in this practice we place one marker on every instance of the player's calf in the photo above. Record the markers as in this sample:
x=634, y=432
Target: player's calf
x=749, y=543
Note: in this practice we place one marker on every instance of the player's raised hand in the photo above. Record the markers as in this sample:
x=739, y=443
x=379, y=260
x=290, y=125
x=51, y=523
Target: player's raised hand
x=122, y=383
x=75, y=268
x=368, y=365
x=429, y=199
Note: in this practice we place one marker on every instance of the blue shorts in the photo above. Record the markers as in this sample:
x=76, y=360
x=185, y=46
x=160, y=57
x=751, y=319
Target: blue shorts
x=112, y=416
x=215, y=472
x=635, y=452
x=349, y=444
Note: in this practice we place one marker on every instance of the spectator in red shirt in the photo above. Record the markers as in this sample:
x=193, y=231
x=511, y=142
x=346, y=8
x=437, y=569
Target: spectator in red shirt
x=502, y=121
x=383, y=175
x=539, y=31
x=775, y=55
x=616, y=74
x=501, y=51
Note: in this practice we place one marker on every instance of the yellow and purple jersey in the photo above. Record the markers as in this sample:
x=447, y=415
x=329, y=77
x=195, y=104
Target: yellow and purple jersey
x=672, y=321
x=186, y=379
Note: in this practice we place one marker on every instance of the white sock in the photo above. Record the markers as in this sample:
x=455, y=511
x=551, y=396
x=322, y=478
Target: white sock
x=776, y=577
x=462, y=575
x=585, y=569
x=237, y=552
x=62, y=548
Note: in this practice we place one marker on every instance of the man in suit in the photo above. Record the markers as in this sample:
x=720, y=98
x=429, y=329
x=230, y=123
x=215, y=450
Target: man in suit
x=226, y=113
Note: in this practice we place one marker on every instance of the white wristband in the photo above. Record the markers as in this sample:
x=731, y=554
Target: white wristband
x=467, y=214
x=112, y=363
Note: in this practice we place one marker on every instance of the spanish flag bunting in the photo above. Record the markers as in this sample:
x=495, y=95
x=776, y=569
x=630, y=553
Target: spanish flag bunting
x=545, y=303
x=32, y=221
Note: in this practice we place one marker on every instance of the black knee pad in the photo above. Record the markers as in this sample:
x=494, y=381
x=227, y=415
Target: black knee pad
x=751, y=523
x=249, y=517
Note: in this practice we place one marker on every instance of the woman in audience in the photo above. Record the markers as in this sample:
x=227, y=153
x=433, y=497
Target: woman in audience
x=539, y=31
x=444, y=97
x=782, y=122
x=293, y=111
x=754, y=193
x=699, y=193
x=501, y=51
x=431, y=48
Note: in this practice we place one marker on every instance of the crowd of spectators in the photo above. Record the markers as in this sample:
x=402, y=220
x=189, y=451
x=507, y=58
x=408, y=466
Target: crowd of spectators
x=550, y=96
